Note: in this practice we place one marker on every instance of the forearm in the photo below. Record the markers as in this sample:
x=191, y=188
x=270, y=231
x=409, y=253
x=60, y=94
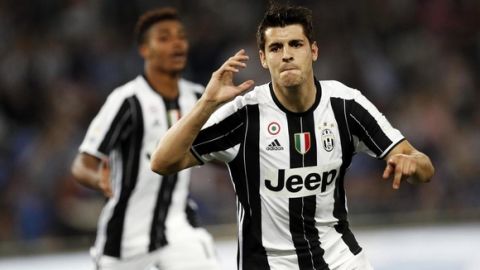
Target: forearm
x=172, y=151
x=86, y=173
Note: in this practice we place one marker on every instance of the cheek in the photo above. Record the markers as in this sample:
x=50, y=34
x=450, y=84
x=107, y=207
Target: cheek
x=159, y=52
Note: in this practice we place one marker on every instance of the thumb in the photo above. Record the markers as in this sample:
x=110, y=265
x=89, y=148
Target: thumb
x=388, y=169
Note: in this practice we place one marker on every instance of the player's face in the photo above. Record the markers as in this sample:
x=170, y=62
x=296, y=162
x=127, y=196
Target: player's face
x=288, y=55
x=166, y=46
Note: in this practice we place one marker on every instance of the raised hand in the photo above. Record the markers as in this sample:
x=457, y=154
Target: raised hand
x=220, y=88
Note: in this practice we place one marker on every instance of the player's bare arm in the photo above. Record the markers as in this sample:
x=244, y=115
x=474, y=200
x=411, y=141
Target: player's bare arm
x=173, y=152
x=405, y=162
x=93, y=173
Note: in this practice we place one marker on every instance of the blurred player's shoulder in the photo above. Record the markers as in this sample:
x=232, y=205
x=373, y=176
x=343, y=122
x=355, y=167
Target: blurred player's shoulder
x=125, y=90
x=186, y=85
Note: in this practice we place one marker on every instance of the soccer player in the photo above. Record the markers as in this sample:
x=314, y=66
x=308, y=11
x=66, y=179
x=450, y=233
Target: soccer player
x=288, y=145
x=148, y=219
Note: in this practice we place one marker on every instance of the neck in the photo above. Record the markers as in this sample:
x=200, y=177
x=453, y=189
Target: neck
x=166, y=84
x=297, y=98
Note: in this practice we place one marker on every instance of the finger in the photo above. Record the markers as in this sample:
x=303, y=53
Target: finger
x=233, y=62
x=398, y=176
x=229, y=68
x=413, y=168
x=407, y=168
x=232, y=66
x=246, y=85
x=105, y=164
x=108, y=191
x=236, y=63
x=240, y=52
x=106, y=185
x=239, y=56
x=388, y=170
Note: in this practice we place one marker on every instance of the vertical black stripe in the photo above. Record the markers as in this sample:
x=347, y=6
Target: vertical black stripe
x=247, y=160
x=130, y=151
x=310, y=202
x=117, y=127
x=302, y=210
x=255, y=256
x=296, y=204
x=340, y=109
x=164, y=199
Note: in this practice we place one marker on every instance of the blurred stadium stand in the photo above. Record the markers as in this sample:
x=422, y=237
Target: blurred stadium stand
x=417, y=60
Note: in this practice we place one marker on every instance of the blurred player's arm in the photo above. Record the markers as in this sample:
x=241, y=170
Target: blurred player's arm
x=404, y=162
x=92, y=172
x=173, y=152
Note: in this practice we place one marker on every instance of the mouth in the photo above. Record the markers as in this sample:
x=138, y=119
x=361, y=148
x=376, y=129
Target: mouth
x=288, y=68
x=180, y=56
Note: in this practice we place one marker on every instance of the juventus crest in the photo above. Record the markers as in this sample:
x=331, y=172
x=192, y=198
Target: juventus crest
x=328, y=140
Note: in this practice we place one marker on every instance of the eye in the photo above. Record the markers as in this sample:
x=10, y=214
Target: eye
x=296, y=44
x=275, y=48
x=163, y=38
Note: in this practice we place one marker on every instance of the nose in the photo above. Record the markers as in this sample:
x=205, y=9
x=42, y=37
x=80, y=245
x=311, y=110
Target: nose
x=179, y=42
x=287, y=56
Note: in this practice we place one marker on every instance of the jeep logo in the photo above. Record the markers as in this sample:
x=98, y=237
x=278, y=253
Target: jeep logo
x=300, y=182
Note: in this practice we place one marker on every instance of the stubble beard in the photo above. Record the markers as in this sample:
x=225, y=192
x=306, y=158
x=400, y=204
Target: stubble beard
x=291, y=80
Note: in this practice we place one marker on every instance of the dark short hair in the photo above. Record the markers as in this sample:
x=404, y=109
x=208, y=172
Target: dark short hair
x=281, y=16
x=152, y=17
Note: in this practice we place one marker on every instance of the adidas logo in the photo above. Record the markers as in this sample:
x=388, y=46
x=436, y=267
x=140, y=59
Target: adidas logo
x=274, y=146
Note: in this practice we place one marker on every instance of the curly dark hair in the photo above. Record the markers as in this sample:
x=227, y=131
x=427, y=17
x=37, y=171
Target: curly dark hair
x=150, y=18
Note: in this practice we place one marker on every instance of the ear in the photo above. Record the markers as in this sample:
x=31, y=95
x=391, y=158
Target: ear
x=143, y=51
x=263, y=59
x=314, y=51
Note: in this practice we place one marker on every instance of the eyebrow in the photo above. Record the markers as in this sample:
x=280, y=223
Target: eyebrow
x=274, y=44
x=277, y=43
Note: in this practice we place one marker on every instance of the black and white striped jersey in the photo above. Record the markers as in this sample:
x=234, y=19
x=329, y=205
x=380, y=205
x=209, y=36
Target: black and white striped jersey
x=147, y=210
x=288, y=172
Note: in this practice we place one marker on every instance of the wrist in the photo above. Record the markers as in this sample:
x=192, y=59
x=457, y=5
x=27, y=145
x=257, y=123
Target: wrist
x=208, y=105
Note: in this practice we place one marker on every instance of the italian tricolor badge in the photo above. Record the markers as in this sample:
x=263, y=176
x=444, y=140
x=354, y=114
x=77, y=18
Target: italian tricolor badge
x=302, y=142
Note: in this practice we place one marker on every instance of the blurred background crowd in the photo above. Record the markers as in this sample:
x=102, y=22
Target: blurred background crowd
x=417, y=60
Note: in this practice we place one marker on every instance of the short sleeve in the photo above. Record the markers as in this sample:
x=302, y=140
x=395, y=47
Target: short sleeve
x=372, y=132
x=221, y=136
x=108, y=127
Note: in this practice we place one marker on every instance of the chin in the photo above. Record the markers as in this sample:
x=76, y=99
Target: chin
x=177, y=68
x=290, y=80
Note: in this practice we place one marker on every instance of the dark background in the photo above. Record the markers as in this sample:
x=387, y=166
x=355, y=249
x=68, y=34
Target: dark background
x=418, y=61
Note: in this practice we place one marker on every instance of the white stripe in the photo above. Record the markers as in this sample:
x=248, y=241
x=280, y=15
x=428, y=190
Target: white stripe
x=346, y=121
x=240, y=234
x=302, y=144
x=245, y=163
x=305, y=237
